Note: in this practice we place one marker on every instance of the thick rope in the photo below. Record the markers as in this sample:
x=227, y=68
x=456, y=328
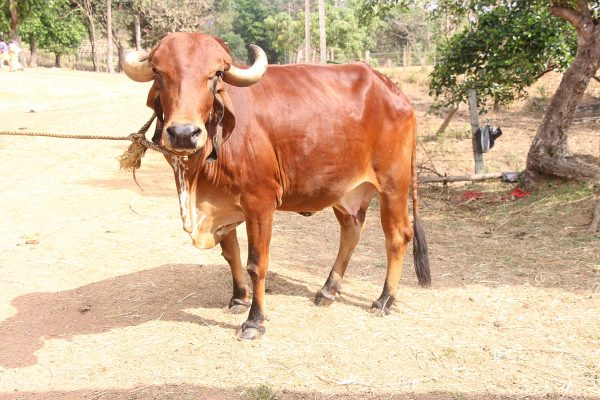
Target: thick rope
x=130, y=160
x=64, y=136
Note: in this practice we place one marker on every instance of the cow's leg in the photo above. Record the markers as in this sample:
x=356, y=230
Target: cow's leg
x=350, y=230
x=398, y=232
x=241, y=292
x=259, y=228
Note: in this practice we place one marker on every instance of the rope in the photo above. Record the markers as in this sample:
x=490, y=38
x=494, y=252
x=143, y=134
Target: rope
x=130, y=160
x=64, y=136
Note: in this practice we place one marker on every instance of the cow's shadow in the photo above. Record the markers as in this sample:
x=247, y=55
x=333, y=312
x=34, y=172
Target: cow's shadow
x=162, y=293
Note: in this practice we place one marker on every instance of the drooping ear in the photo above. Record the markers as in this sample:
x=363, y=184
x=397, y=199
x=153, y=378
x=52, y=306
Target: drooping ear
x=153, y=101
x=229, y=115
x=222, y=122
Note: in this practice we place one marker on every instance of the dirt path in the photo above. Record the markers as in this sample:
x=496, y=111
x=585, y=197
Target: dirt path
x=102, y=295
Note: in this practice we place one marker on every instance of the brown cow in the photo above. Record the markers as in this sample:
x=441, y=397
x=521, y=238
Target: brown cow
x=303, y=137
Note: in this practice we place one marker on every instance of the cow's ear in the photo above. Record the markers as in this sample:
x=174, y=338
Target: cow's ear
x=222, y=122
x=228, y=116
x=153, y=93
x=154, y=103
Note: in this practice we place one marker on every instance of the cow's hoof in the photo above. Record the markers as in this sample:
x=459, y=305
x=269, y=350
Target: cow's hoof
x=323, y=298
x=379, y=309
x=249, y=334
x=250, y=331
x=237, y=306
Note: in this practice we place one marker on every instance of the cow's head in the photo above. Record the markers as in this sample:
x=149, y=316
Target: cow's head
x=188, y=93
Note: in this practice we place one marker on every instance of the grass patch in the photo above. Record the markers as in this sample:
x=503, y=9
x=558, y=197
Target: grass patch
x=262, y=392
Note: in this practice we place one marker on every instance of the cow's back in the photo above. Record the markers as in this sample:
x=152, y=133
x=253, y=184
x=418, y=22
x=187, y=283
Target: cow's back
x=328, y=128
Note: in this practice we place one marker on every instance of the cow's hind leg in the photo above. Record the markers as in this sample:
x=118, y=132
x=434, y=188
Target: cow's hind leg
x=398, y=233
x=241, y=292
x=350, y=230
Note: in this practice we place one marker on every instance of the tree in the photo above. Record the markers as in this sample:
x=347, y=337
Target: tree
x=56, y=27
x=109, y=37
x=518, y=50
x=13, y=14
x=159, y=17
x=250, y=26
x=87, y=8
x=549, y=153
x=506, y=50
x=322, y=33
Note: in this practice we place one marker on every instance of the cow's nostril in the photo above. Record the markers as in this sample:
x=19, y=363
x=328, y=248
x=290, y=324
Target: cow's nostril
x=171, y=132
x=196, y=132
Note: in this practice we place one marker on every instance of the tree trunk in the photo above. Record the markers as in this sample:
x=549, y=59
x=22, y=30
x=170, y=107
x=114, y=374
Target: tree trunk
x=306, y=31
x=549, y=154
x=33, y=51
x=138, y=33
x=57, y=61
x=92, y=36
x=449, y=116
x=322, y=33
x=595, y=218
x=109, y=44
x=121, y=49
x=14, y=18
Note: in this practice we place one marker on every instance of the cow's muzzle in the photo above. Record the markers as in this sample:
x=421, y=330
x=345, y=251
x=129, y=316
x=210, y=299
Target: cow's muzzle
x=186, y=136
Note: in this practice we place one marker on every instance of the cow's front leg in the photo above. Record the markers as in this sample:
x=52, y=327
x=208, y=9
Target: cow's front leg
x=259, y=227
x=241, y=292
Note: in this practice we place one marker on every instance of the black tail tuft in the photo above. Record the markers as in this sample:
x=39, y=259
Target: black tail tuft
x=420, y=254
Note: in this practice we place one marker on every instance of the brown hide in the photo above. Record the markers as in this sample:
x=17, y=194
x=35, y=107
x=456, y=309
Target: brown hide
x=305, y=137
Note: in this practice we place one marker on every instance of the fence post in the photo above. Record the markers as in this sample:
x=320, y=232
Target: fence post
x=477, y=156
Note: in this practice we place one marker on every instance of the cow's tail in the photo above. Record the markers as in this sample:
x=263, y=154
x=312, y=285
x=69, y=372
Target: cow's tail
x=420, y=254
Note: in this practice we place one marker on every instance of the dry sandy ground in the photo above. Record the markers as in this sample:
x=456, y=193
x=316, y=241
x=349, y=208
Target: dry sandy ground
x=102, y=295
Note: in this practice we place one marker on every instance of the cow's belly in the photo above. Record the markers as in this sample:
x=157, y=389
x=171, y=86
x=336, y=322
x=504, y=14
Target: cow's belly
x=346, y=198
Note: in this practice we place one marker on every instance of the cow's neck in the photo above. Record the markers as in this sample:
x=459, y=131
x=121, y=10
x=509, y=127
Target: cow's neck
x=208, y=211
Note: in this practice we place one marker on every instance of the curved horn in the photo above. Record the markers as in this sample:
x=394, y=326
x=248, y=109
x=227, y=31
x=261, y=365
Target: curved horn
x=137, y=66
x=249, y=76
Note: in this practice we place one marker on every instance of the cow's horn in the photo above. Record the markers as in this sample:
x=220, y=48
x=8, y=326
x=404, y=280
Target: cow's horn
x=248, y=76
x=137, y=66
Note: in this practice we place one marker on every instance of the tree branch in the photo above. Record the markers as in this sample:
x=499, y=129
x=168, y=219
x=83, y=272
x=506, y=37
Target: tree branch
x=545, y=71
x=574, y=17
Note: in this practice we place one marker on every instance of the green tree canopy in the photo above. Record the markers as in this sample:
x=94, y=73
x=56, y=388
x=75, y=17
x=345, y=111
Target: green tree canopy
x=502, y=52
x=56, y=27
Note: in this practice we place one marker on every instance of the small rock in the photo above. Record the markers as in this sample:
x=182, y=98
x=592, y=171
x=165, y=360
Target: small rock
x=84, y=308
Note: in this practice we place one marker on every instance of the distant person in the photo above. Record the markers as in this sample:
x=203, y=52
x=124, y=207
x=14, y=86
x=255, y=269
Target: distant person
x=3, y=53
x=13, y=56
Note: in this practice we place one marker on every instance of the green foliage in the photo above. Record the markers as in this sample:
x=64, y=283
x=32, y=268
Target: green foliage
x=347, y=35
x=502, y=53
x=55, y=27
x=250, y=25
x=236, y=46
x=24, y=9
x=262, y=392
x=286, y=34
x=278, y=27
